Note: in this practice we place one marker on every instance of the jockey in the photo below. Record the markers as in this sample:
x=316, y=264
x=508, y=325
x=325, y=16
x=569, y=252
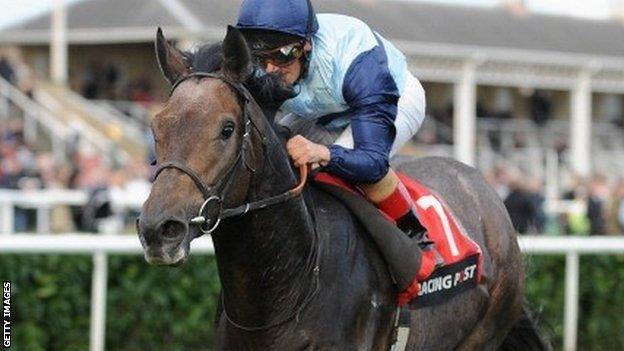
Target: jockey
x=356, y=102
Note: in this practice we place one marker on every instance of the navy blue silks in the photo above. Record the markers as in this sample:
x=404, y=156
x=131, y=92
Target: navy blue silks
x=372, y=95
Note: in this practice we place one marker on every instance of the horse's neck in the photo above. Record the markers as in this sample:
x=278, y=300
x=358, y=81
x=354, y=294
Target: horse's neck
x=265, y=257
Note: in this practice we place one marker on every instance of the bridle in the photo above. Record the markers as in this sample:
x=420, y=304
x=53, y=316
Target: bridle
x=205, y=223
x=207, y=226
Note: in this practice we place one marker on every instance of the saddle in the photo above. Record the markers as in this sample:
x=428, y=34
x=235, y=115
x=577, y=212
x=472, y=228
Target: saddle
x=450, y=263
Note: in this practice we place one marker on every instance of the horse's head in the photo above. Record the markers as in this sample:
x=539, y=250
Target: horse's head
x=199, y=143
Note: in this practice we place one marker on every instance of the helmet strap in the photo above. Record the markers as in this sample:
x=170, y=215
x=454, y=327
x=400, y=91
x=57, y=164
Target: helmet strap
x=305, y=64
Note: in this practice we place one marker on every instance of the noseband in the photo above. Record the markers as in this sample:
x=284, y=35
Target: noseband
x=205, y=223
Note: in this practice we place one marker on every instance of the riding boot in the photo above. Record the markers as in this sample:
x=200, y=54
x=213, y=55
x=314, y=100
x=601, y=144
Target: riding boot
x=401, y=251
x=400, y=207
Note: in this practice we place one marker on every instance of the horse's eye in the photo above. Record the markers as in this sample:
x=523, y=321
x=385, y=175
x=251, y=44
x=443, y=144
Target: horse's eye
x=227, y=130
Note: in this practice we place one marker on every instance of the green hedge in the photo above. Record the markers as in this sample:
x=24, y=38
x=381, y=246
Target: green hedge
x=152, y=308
x=148, y=308
x=601, y=299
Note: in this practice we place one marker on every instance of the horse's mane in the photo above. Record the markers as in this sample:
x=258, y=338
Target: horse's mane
x=269, y=90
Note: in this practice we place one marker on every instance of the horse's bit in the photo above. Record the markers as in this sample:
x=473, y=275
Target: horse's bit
x=202, y=219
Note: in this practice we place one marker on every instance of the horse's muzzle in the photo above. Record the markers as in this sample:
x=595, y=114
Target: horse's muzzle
x=164, y=242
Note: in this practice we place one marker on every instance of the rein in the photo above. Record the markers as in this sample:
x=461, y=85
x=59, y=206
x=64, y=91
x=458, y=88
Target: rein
x=206, y=225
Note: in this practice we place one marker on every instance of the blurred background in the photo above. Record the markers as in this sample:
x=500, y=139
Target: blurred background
x=529, y=92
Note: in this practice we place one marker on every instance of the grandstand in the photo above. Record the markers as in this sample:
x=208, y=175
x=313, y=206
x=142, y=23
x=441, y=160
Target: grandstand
x=536, y=102
x=505, y=87
x=486, y=60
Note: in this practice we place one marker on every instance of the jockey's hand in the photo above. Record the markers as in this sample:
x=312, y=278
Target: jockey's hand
x=303, y=152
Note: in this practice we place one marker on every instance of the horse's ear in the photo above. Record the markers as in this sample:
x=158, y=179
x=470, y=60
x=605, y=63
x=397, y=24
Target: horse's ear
x=236, y=56
x=171, y=61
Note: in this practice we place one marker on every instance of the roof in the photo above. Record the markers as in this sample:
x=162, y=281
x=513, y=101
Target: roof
x=398, y=20
x=492, y=27
x=106, y=14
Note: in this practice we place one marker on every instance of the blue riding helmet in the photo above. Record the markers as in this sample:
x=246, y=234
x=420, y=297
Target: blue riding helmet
x=294, y=17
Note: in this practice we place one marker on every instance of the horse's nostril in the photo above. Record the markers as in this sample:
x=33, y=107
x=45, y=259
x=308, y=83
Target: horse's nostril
x=172, y=229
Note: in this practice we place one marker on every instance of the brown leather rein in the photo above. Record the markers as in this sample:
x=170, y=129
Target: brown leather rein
x=206, y=224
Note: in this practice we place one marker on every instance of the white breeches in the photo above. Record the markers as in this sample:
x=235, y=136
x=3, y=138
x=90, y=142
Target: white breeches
x=410, y=116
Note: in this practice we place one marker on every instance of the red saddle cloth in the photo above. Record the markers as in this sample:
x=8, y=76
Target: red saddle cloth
x=461, y=267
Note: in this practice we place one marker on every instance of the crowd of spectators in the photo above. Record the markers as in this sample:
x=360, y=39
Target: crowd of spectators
x=523, y=197
x=24, y=167
x=593, y=206
x=106, y=81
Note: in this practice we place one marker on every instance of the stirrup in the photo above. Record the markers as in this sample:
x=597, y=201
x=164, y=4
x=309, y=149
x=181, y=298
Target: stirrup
x=427, y=244
x=422, y=238
x=411, y=226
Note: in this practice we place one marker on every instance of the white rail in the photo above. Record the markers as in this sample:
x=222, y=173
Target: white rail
x=44, y=200
x=71, y=244
x=89, y=134
x=571, y=247
x=102, y=245
x=33, y=114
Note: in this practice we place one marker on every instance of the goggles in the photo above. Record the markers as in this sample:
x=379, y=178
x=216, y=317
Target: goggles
x=282, y=56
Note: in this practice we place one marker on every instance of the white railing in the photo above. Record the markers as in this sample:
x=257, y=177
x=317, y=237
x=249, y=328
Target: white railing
x=89, y=135
x=40, y=113
x=130, y=111
x=100, y=246
x=104, y=116
x=33, y=115
x=42, y=201
x=571, y=247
